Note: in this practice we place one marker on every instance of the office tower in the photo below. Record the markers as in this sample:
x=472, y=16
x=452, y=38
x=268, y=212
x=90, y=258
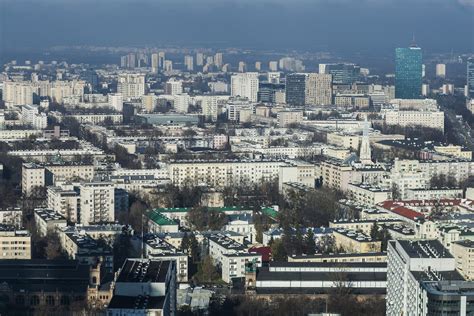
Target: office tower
x=422, y=280
x=218, y=60
x=258, y=66
x=245, y=85
x=91, y=77
x=131, y=85
x=189, y=62
x=441, y=70
x=318, y=89
x=296, y=89
x=273, y=66
x=267, y=91
x=168, y=66
x=116, y=101
x=470, y=78
x=199, y=59
x=242, y=66
x=344, y=74
x=155, y=62
x=173, y=87
x=408, y=72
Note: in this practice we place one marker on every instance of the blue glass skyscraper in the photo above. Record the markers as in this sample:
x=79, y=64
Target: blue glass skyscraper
x=408, y=72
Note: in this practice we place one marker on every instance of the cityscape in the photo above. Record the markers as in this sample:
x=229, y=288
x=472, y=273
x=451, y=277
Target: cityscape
x=212, y=169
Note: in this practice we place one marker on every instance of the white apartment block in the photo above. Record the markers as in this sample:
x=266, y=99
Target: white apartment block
x=463, y=253
x=367, y=194
x=97, y=202
x=64, y=200
x=47, y=221
x=14, y=244
x=318, y=89
x=131, y=86
x=30, y=116
x=223, y=173
x=431, y=119
x=115, y=101
x=299, y=172
x=173, y=87
x=181, y=102
x=245, y=85
x=210, y=107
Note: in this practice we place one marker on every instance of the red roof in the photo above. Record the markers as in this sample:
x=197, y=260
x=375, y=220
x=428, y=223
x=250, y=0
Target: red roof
x=406, y=212
x=265, y=252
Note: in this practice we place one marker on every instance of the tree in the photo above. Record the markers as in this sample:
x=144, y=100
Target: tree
x=278, y=250
x=53, y=247
x=194, y=248
x=374, y=230
x=207, y=271
x=310, y=244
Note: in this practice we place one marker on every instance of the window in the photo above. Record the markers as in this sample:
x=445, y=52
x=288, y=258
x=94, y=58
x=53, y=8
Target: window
x=34, y=300
x=50, y=300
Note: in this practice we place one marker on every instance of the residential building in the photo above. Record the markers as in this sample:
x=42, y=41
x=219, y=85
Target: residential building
x=47, y=221
x=131, y=86
x=353, y=241
x=463, y=253
x=14, y=244
x=318, y=89
x=288, y=117
x=97, y=201
x=173, y=87
x=245, y=85
x=30, y=116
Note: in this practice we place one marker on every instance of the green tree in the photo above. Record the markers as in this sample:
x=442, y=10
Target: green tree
x=309, y=243
x=278, y=250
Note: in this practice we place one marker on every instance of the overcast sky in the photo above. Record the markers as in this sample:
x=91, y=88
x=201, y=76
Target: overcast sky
x=336, y=25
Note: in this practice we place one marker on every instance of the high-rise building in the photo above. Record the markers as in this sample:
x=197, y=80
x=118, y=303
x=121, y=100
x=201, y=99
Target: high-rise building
x=318, y=89
x=267, y=91
x=273, y=66
x=131, y=85
x=218, y=60
x=242, y=66
x=210, y=107
x=168, y=66
x=189, y=62
x=422, y=280
x=199, y=59
x=341, y=73
x=181, y=103
x=441, y=70
x=161, y=59
x=155, y=62
x=365, y=155
x=97, y=202
x=258, y=66
x=408, y=72
x=296, y=89
x=173, y=87
x=470, y=78
x=245, y=85
x=116, y=101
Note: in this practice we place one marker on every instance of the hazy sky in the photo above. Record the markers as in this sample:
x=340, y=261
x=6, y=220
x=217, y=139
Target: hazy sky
x=337, y=25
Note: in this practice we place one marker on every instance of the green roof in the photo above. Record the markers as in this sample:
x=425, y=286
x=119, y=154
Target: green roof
x=270, y=212
x=217, y=209
x=160, y=219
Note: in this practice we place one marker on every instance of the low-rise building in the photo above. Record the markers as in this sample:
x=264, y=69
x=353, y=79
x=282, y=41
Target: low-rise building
x=14, y=244
x=341, y=257
x=367, y=194
x=352, y=241
x=159, y=223
x=47, y=221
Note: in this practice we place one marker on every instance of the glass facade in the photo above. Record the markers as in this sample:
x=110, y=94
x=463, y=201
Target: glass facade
x=343, y=73
x=408, y=73
x=295, y=89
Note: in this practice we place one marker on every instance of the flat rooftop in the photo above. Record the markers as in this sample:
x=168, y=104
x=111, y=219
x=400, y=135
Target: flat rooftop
x=144, y=271
x=424, y=249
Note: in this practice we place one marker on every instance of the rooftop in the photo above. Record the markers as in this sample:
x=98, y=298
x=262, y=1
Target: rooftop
x=144, y=271
x=424, y=249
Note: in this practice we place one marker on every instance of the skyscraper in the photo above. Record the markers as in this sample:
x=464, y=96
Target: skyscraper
x=218, y=60
x=189, y=62
x=296, y=89
x=470, y=78
x=408, y=72
x=318, y=89
x=341, y=73
x=155, y=62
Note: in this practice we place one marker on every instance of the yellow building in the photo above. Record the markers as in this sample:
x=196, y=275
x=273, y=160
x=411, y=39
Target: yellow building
x=463, y=252
x=352, y=241
x=14, y=244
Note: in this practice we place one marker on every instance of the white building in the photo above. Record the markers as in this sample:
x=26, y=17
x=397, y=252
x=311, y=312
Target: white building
x=115, y=101
x=131, y=86
x=181, y=102
x=173, y=87
x=432, y=119
x=441, y=70
x=318, y=89
x=97, y=202
x=189, y=62
x=30, y=116
x=245, y=85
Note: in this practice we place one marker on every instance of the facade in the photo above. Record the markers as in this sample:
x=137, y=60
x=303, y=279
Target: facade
x=97, y=202
x=64, y=200
x=408, y=72
x=431, y=119
x=14, y=244
x=245, y=85
x=343, y=74
x=367, y=194
x=295, y=91
x=32, y=176
x=463, y=253
x=30, y=116
x=131, y=86
x=353, y=241
x=223, y=173
x=286, y=118
x=318, y=89
x=115, y=101
x=47, y=221
x=173, y=87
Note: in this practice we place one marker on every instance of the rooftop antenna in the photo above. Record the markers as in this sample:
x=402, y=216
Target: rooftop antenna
x=413, y=41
